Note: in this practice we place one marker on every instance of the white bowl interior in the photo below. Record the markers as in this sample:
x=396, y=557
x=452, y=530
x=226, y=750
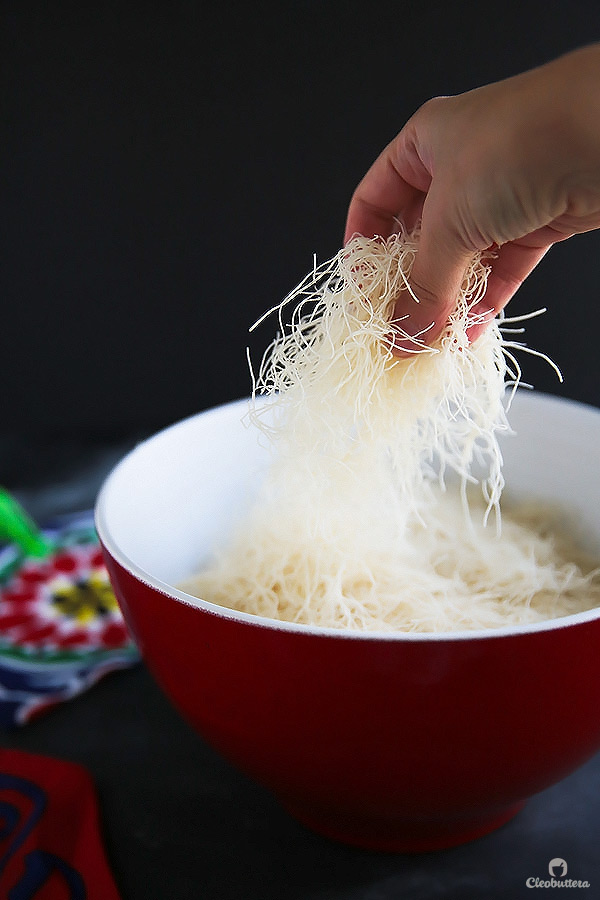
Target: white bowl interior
x=176, y=496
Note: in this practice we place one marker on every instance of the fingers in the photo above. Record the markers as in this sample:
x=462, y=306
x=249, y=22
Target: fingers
x=443, y=280
x=514, y=262
x=395, y=189
x=435, y=280
x=384, y=196
x=399, y=187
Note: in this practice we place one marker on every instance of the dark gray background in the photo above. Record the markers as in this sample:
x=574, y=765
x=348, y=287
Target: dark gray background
x=169, y=169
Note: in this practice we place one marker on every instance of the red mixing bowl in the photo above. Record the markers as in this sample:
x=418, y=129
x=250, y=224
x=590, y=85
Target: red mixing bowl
x=388, y=741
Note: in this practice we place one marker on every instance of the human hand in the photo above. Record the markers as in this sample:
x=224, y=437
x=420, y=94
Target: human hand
x=513, y=167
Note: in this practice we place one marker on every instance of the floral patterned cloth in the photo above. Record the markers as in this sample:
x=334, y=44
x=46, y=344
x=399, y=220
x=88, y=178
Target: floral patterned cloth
x=61, y=629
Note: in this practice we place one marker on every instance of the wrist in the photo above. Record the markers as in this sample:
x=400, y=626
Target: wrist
x=575, y=87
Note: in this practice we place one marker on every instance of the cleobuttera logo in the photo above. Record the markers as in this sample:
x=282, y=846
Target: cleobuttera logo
x=557, y=867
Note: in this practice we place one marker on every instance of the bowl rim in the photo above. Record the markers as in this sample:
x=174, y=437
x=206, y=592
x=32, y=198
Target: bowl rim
x=171, y=592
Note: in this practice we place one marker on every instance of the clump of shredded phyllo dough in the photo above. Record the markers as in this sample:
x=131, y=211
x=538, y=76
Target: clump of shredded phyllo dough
x=366, y=518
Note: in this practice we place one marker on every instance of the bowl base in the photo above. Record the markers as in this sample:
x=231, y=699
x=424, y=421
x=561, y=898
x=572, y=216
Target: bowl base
x=405, y=836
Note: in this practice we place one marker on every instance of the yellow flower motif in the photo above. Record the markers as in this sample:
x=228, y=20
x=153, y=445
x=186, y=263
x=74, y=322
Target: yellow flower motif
x=85, y=600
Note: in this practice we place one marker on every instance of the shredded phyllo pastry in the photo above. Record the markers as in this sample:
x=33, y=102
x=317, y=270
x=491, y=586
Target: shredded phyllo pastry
x=381, y=507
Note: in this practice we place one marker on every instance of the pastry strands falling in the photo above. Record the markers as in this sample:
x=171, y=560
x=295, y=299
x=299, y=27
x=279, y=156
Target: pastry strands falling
x=353, y=526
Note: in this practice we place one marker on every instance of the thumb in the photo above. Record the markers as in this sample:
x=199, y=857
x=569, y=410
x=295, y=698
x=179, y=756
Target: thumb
x=435, y=282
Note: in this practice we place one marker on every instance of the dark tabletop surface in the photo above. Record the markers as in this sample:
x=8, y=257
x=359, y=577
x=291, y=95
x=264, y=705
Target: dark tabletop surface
x=179, y=822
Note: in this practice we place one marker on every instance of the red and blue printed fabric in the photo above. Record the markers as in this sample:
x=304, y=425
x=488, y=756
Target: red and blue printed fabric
x=50, y=843
x=61, y=629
